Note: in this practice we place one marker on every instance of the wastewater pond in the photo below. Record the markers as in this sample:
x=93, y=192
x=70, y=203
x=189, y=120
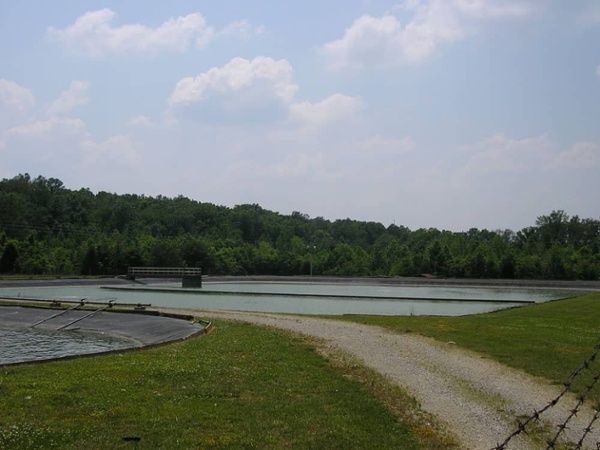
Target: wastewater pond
x=305, y=298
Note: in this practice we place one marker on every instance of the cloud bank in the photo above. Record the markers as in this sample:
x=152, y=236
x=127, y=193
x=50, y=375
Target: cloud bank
x=385, y=41
x=248, y=87
x=94, y=34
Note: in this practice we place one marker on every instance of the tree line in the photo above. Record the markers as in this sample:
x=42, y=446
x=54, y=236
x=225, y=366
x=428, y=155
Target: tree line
x=48, y=229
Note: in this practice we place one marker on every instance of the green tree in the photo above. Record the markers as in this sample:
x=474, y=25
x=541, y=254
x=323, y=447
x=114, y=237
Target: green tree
x=198, y=253
x=226, y=262
x=265, y=259
x=477, y=265
x=346, y=260
x=9, y=261
x=90, y=264
x=556, y=265
x=553, y=227
x=508, y=266
x=399, y=260
x=529, y=267
x=13, y=215
x=165, y=253
x=439, y=258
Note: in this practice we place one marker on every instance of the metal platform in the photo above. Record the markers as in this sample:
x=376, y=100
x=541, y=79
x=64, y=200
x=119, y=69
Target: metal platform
x=190, y=276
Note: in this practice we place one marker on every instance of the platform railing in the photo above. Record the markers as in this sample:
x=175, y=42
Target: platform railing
x=164, y=272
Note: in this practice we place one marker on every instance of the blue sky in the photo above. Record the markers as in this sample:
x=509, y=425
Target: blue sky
x=425, y=113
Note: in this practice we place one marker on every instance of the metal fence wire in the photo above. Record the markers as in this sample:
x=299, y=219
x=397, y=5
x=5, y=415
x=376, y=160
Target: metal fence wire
x=552, y=442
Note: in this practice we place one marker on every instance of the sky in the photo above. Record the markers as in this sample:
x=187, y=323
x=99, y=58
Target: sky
x=449, y=114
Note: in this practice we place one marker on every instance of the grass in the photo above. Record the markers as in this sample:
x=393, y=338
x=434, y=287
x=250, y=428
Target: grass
x=239, y=387
x=549, y=340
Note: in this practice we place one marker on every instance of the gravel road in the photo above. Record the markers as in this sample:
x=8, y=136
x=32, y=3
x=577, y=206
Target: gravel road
x=476, y=398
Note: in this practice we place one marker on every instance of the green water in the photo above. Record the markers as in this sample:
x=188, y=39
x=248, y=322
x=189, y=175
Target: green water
x=307, y=298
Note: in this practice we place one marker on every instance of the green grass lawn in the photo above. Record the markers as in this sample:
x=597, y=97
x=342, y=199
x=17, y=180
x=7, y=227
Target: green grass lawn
x=241, y=386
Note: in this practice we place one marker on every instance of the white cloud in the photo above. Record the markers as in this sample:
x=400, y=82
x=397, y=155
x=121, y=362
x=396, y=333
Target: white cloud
x=235, y=76
x=14, y=96
x=338, y=166
x=241, y=28
x=384, y=41
x=94, y=34
x=29, y=142
x=294, y=165
x=501, y=154
x=49, y=146
x=139, y=121
x=33, y=136
x=582, y=155
x=379, y=145
x=43, y=127
x=332, y=108
x=116, y=149
x=523, y=158
x=69, y=99
x=375, y=160
x=409, y=5
x=491, y=9
x=369, y=41
x=59, y=146
x=16, y=105
x=249, y=90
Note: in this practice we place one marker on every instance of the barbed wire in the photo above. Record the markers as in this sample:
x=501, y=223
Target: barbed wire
x=535, y=417
x=588, y=429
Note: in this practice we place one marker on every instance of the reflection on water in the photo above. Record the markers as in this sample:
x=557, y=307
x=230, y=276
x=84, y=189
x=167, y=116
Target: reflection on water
x=414, y=292
x=385, y=300
x=26, y=344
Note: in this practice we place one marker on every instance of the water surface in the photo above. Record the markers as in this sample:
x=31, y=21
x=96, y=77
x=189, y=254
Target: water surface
x=18, y=344
x=306, y=298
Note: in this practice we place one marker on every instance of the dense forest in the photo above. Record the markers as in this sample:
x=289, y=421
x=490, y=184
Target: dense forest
x=48, y=229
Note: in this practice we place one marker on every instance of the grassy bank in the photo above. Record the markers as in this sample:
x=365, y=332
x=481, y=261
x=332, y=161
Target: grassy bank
x=239, y=387
x=549, y=340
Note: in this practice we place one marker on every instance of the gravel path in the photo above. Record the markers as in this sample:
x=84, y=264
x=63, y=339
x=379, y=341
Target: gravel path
x=477, y=398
